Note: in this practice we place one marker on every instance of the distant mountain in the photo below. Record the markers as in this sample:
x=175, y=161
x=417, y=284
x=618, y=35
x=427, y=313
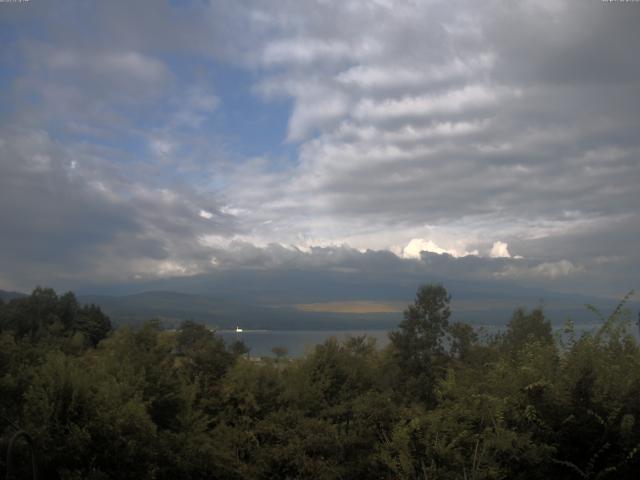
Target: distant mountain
x=352, y=310
x=323, y=300
x=278, y=287
x=173, y=307
x=6, y=295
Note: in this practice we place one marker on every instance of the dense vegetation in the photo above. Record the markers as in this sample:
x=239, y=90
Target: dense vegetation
x=148, y=403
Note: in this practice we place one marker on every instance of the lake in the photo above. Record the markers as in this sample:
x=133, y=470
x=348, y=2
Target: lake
x=299, y=342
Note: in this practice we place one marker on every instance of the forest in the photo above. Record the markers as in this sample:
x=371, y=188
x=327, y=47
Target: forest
x=82, y=400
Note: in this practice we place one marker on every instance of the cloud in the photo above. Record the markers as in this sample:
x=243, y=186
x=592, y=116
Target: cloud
x=122, y=67
x=467, y=99
x=318, y=108
x=421, y=128
x=71, y=218
x=444, y=127
x=556, y=269
x=500, y=250
x=550, y=270
x=429, y=266
x=205, y=214
x=418, y=245
x=304, y=51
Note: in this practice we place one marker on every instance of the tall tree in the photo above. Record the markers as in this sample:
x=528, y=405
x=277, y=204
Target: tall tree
x=419, y=341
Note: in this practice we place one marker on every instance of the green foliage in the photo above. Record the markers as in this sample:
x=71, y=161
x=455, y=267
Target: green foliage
x=527, y=327
x=463, y=339
x=87, y=421
x=437, y=403
x=419, y=341
x=44, y=316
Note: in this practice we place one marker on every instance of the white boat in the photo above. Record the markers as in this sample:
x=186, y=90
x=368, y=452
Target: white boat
x=238, y=329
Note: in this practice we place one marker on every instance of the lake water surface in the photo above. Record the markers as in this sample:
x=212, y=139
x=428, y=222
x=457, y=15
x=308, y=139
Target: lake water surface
x=297, y=342
x=300, y=342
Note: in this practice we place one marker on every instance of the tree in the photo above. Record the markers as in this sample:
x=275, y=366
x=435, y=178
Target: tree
x=45, y=315
x=527, y=327
x=463, y=337
x=420, y=339
x=280, y=352
x=92, y=323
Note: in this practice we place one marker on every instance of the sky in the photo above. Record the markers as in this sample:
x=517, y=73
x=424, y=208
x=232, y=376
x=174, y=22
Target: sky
x=482, y=141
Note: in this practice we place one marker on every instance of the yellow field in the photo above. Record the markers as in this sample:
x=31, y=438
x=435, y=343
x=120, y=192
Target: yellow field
x=349, y=307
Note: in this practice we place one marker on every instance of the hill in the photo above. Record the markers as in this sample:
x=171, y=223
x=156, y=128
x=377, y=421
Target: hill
x=6, y=295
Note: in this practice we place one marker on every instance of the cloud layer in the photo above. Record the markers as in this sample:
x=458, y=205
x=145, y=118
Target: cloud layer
x=499, y=137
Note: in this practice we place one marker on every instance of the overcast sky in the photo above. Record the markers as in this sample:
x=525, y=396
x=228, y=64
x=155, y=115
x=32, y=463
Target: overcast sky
x=147, y=139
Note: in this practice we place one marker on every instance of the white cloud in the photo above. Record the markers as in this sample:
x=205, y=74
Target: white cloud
x=378, y=77
x=418, y=245
x=304, y=51
x=205, y=214
x=500, y=250
x=315, y=111
x=467, y=98
x=561, y=268
x=544, y=270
